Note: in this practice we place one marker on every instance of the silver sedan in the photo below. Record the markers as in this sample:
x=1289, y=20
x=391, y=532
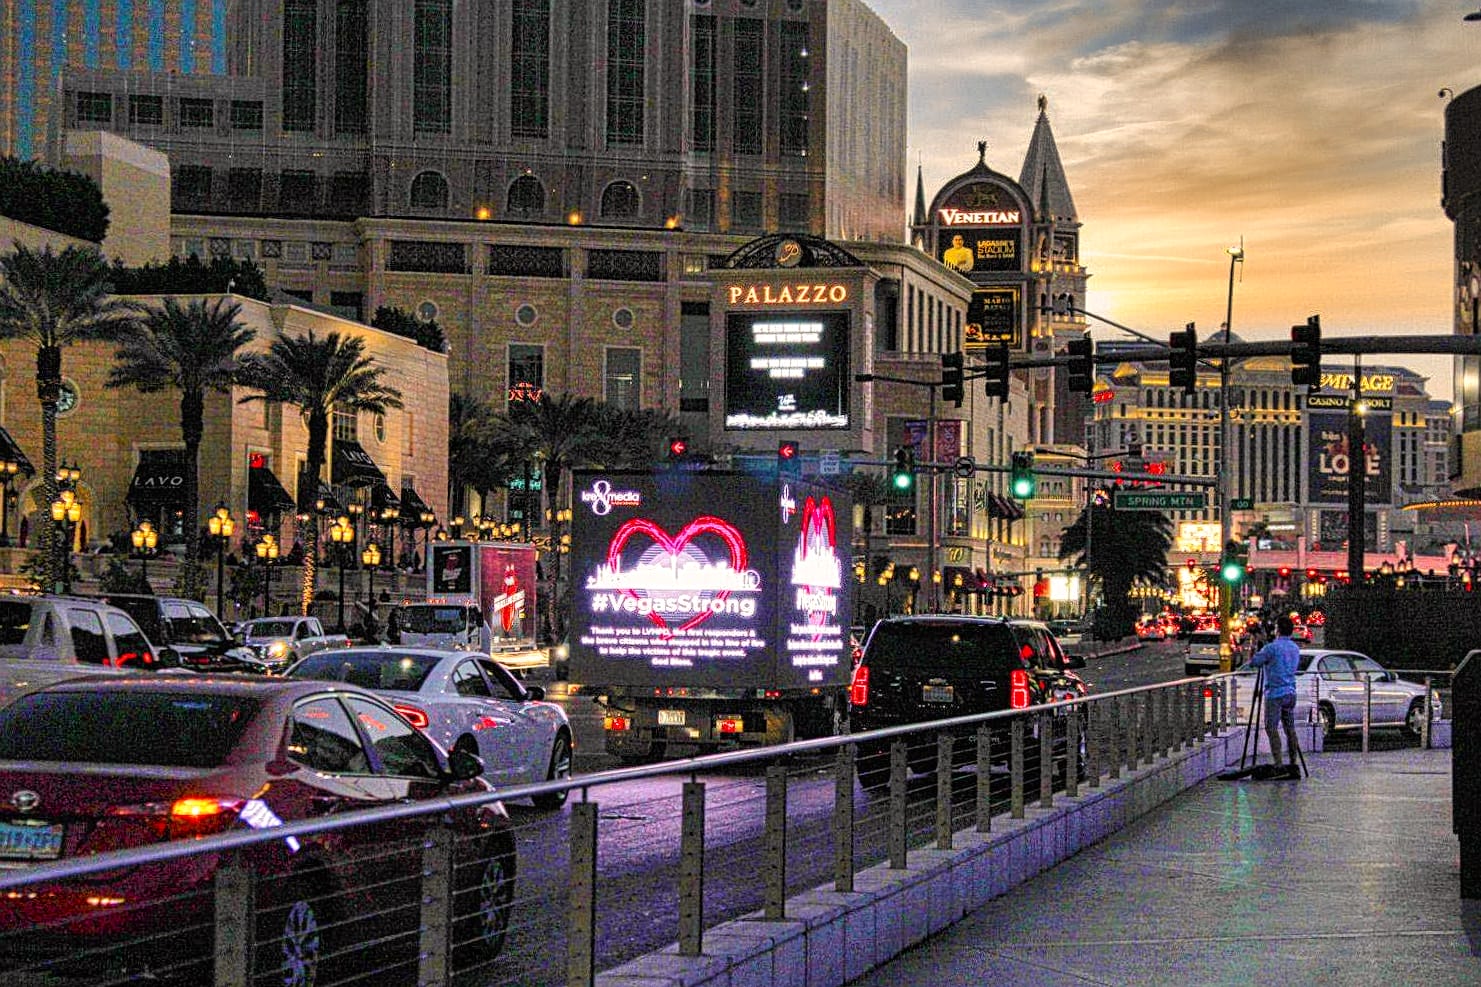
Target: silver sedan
x=465, y=701
x=1333, y=686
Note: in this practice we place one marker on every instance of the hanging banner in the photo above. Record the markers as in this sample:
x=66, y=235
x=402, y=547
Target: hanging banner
x=1329, y=459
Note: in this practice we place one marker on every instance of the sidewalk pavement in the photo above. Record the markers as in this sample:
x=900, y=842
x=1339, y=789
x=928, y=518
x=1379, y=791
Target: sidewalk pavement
x=1350, y=876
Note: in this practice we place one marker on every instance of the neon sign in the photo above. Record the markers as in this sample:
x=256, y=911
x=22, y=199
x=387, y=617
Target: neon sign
x=986, y=217
x=603, y=498
x=789, y=294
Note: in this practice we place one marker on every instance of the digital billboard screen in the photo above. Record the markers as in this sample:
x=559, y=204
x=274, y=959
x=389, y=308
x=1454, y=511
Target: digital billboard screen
x=787, y=370
x=972, y=250
x=1329, y=462
x=701, y=579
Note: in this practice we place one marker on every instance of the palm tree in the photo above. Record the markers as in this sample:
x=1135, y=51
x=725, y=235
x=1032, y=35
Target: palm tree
x=192, y=348
x=473, y=460
x=316, y=375
x=1125, y=547
x=54, y=300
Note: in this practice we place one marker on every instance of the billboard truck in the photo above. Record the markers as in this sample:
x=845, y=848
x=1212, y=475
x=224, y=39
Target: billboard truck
x=709, y=609
x=480, y=597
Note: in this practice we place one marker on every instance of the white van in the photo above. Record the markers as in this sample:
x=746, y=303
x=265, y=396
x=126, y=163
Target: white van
x=1202, y=654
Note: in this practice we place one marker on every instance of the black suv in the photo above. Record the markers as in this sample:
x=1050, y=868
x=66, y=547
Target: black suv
x=187, y=629
x=934, y=667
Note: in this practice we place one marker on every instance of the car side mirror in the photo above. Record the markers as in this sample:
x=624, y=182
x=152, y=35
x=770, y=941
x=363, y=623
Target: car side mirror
x=534, y=693
x=167, y=658
x=1074, y=661
x=463, y=764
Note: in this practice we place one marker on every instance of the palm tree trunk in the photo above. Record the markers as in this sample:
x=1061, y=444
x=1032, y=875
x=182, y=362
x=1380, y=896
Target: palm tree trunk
x=50, y=567
x=554, y=470
x=192, y=427
x=308, y=492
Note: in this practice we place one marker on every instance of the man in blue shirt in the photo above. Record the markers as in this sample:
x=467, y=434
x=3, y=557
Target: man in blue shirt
x=1279, y=659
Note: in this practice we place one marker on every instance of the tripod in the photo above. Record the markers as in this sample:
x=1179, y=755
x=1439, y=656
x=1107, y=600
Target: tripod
x=1250, y=752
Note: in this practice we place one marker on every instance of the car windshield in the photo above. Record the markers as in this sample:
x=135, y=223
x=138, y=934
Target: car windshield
x=432, y=620
x=169, y=729
x=270, y=628
x=144, y=611
x=367, y=669
x=943, y=648
x=1204, y=637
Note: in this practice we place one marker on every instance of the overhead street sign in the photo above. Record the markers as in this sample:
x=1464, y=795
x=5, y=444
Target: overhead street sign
x=1160, y=500
x=1242, y=504
x=965, y=467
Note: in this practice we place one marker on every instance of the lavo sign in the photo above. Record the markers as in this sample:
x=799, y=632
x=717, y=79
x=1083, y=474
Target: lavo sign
x=986, y=217
x=788, y=294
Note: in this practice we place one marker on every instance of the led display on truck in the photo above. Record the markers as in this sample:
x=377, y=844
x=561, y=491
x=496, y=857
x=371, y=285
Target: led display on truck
x=707, y=579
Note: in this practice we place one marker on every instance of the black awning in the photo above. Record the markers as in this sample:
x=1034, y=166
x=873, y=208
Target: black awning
x=159, y=478
x=999, y=506
x=265, y=494
x=381, y=497
x=331, y=504
x=12, y=452
x=353, y=466
x=412, y=509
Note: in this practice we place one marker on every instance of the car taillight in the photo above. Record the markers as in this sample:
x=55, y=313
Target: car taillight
x=416, y=717
x=617, y=724
x=858, y=690
x=729, y=724
x=1018, y=689
x=183, y=819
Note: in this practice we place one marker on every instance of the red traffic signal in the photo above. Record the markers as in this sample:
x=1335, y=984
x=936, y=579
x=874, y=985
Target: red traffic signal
x=786, y=449
x=1310, y=573
x=1285, y=571
x=788, y=456
x=678, y=448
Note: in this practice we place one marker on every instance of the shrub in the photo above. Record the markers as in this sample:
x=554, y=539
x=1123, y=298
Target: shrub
x=190, y=277
x=65, y=201
x=428, y=334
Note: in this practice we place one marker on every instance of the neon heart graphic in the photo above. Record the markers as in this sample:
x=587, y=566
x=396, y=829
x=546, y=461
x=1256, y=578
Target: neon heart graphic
x=816, y=543
x=673, y=546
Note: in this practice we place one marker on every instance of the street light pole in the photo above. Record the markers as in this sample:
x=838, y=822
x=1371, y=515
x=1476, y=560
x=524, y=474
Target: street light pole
x=221, y=525
x=1226, y=527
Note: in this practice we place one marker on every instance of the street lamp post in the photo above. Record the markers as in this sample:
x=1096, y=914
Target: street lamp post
x=145, y=540
x=66, y=512
x=390, y=516
x=1226, y=590
x=267, y=553
x=428, y=520
x=370, y=558
x=222, y=526
x=8, y=470
x=342, y=534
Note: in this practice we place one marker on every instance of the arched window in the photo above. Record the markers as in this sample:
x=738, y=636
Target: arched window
x=429, y=191
x=620, y=201
x=526, y=196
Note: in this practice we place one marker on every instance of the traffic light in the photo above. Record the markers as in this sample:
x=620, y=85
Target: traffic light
x=1306, y=353
x=1231, y=570
x=903, y=479
x=1023, y=483
x=951, y=378
x=678, y=448
x=1081, y=367
x=1182, y=362
x=788, y=457
x=995, y=371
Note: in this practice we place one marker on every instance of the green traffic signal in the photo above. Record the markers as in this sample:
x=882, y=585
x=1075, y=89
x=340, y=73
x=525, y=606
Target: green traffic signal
x=1023, y=487
x=1232, y=571
x=1022, y=482
x=903, y=479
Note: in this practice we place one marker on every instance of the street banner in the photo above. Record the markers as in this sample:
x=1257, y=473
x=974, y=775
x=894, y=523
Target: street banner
x=1328, y=458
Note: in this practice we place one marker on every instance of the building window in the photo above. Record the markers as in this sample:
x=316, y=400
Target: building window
x=529, y=69
x=622, y=380
x=300, y=63
x=147, y=111
x=346, y=426
x=526, y=314
x=792, y=208
x=298, y=192
x=619, y=201
x=426, y=257
x=346, y=304
x=246, y=114
x=625, y=265
x=244, y=189
x=694, y=357
x=349, y=66
x=429, y=191
x=526, y=371
x=702, y=83
x=95, y=108
x=197, y=113
x=746, y=211
x=626, y=53
x=191, y=187
x=432, y=73
x=348, y=191
x=701, y=212
x=796, y=99
x=746, y=71
x=518, y=261
x=526, y=197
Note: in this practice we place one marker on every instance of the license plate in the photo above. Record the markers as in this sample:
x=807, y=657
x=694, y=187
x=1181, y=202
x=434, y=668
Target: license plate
x=671, y=717
x=23, y=841
x=937, y=694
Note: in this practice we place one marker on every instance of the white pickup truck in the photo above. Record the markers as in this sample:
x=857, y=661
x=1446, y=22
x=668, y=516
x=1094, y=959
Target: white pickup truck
x=281, y=641
x=45, y=639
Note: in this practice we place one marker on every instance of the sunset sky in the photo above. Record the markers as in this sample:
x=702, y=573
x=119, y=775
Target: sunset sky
x=1312, y=129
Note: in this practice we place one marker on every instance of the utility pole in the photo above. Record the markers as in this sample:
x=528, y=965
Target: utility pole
x=1226, y=526
x=1357, y=477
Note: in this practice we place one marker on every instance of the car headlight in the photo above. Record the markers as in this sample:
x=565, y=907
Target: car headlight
x=278, y=649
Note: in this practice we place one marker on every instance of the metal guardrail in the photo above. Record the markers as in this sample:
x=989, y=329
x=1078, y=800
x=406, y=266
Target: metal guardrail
x=745, y=830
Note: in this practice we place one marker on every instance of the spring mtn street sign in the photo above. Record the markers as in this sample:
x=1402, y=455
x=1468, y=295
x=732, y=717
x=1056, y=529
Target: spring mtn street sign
x=1160, y=500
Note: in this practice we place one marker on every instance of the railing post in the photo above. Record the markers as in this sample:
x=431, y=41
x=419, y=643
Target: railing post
x=944, y=745
x=1015, y=768
x=1367, y=708
x=776, y=843
x=1149, y=727
x=984, y=779
x=581, y=937
x=1093, y=728
x=899, y=766
x=843, y=819
x=1072, y=751
x=434, y=965
x=234, y=894
x=1045, y=723
x=692, y=870
x=1424, y=727
x=1113, y=738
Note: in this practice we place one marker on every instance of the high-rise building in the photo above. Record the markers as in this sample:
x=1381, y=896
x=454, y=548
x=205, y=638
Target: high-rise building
x=720, y=115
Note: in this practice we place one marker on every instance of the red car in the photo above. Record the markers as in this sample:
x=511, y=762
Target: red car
x=91, y=765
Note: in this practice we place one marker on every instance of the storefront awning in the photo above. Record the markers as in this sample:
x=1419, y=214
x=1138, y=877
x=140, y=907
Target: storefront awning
x=325, y=502
x=381, y=497
x=159, y=479
x=1001, y=507
x=11, y=451
x=265, y=494
x=412, y=508
x=353, y=466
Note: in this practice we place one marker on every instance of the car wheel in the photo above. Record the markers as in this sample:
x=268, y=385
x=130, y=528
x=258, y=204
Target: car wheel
x=484, y=906
x=560, y=769
x=1328, y=717
x=292, y=937
x=1414, y=720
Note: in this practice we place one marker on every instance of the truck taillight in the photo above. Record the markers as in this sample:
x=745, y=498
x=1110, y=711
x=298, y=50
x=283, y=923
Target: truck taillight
x=617, y=724
x=858, y=690
x=1018, y=689
x=729, y=724
x=416, y=717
